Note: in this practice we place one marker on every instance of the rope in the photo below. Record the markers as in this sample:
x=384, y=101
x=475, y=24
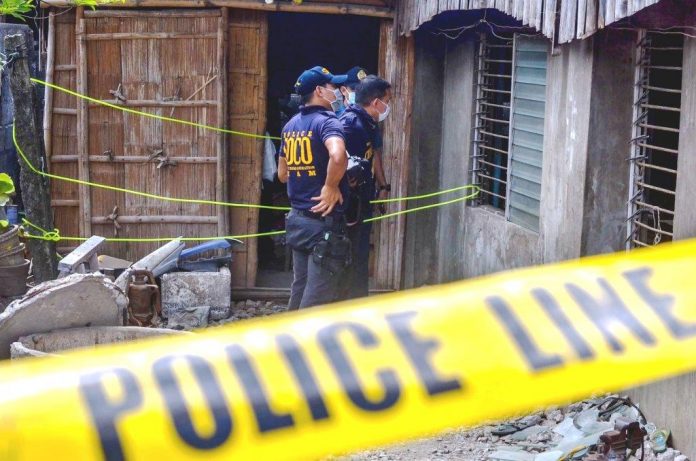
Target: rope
x=54, y=236
x=151, y=115
x=130, y=191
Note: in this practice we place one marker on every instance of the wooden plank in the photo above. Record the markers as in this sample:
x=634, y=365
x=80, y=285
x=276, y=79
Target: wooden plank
x=135, y=13
x=591, y=18
x=397, y=65
x=221, y=173
x=568, y=20
x=148, y=36
x=581, y=16
x=48, y=91
x=313, y=7
x=83, y=127
x=64, y=67
x=132, y=159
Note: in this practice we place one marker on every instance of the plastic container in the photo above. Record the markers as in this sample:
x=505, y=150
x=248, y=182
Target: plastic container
x=13, y=279
x=12, y=212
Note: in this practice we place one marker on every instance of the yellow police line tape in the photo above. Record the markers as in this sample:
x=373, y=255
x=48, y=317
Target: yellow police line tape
x=332, y=380
x=151, y=115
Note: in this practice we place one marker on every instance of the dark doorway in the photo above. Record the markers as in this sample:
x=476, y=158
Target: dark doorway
x=297, y=42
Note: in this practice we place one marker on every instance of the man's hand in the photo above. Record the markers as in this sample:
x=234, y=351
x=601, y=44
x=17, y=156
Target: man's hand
x=330, y=195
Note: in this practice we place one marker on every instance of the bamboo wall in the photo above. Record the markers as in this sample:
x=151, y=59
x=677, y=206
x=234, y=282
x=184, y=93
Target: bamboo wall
x=167, y=62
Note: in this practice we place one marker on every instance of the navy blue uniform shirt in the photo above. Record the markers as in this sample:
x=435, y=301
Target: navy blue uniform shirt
x=361, y=133
x=307, y=157
x=362, y=138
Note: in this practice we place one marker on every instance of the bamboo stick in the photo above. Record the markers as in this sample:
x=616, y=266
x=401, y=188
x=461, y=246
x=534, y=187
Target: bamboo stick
x=147, y=36
x=48, y=91
x=131, y=159
x=64, y=67
x=155, y=103
x=83, y=127
x=65, y=203
x=221, y=87
x=314, y=7
x=207, y=13
x=60, y=111
x=160, y=219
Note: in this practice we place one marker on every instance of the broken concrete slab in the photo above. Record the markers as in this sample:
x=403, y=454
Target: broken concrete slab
x=78, y=300
x=186, y=289
x=189, y=318
x=55, y=342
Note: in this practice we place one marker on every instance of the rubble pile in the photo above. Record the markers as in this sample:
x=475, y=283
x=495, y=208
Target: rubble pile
x=577, y=432
x=250, y=309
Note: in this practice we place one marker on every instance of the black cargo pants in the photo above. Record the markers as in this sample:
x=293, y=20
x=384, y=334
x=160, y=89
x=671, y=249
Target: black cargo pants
x=313, y=283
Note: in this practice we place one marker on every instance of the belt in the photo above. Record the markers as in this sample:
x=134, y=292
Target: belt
x=331, y=220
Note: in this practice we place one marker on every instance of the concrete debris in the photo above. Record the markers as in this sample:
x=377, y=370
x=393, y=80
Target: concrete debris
x=78, y=300
x=151, y=261
x=249, y=309
x=52, y=343
x=552, y=437
x=181, y=290
x=188, y=318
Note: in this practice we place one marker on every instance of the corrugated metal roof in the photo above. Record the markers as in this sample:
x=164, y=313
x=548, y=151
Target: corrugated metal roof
x=576, y=18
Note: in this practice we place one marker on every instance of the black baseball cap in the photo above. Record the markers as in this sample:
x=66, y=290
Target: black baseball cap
x=352, y=77
x=310, y=79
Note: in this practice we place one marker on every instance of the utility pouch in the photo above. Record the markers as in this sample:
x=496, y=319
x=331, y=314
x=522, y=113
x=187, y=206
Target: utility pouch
x=333, y=253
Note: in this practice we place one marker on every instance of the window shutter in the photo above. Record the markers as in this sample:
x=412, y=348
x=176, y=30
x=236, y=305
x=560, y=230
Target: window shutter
x=527, y=131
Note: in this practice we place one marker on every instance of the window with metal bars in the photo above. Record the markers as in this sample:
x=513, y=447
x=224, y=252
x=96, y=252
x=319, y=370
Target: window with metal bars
x=655, y=143
x=510, y=106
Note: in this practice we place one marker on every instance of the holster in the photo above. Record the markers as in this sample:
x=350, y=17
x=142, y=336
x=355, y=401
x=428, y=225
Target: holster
x=333, y=253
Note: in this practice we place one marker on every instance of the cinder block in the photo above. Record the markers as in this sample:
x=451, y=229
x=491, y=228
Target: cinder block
x=181, y=290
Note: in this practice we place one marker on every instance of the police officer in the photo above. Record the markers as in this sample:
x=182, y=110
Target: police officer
x=313, y=163
x=348, y=82
x=360, y=124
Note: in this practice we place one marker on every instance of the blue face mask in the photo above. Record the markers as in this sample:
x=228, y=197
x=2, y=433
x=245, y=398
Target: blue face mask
x=351, y=97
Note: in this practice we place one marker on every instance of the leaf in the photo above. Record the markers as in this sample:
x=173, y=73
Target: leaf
x=4, y=223
x=7, y=188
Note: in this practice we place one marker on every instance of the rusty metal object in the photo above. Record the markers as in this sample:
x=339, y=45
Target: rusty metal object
x=144, y=301
x=595, y=457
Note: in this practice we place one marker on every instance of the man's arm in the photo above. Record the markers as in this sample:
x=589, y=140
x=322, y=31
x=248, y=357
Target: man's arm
x=282, y=170
x=338, y=162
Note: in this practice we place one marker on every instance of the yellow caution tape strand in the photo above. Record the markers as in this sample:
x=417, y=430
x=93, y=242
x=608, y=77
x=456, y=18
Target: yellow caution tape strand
x=54, y=235
x=326, y=381
x=151, y=115
x=209, y=202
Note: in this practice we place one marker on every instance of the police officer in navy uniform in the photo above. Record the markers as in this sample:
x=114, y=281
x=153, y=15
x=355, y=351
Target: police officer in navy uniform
x=360, y=124
x=313, y=162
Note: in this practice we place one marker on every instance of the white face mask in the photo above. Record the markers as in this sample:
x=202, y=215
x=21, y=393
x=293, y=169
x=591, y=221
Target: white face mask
x=337, y=103
x=383, y=115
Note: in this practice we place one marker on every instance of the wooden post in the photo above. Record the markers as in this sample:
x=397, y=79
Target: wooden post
x=48, y=91
x=35, y=188
x=83, y=127
x=221, y=174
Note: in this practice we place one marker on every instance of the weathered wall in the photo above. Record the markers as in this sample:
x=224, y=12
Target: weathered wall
x=420, y=246
x=568, y=84
x=607, y=172
x=670, y=403
x=457, y=131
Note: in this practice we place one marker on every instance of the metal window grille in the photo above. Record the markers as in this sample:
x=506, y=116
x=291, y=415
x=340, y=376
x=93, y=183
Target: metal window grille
x=655, y=142
x=509, y=125
x=492, y=124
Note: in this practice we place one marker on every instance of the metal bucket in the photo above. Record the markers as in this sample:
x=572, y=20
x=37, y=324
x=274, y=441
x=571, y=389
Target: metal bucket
x=55, y=342
x=13, y=279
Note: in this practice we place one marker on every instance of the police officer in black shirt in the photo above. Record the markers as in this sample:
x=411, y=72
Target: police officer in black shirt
x=313, y=162
x=362, y=137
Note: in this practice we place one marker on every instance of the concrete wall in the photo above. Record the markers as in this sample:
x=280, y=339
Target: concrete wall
x=420, y=246
x=671, y=403
x=585, y=173
x=610, y=125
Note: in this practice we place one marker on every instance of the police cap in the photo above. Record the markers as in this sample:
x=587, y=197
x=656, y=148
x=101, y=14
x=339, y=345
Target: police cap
x=310, y=79
x=352, y=77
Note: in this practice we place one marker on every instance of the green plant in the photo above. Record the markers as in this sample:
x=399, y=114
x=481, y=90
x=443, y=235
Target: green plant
x=16, y=8
x=7, y=188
